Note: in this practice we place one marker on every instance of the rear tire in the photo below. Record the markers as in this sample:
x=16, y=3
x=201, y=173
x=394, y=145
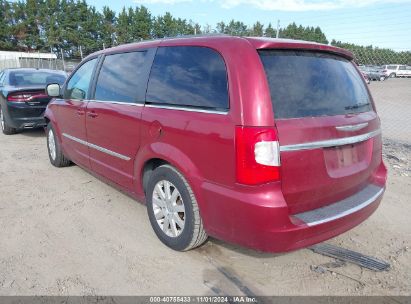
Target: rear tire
x=7, y=130
x=56, y=155
x=173, y=210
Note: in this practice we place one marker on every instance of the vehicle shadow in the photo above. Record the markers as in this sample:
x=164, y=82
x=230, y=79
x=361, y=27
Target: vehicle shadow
x=38, y=132
x=212, y=248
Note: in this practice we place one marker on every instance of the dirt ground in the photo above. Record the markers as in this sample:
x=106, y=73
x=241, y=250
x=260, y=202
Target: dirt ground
x=64, y=232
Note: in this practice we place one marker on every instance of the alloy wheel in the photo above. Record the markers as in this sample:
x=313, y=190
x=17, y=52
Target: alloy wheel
x=52, y=144
x=2, y=119
x=168, y=207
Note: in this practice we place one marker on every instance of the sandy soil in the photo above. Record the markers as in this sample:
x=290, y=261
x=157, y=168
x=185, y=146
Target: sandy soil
x=63, y=232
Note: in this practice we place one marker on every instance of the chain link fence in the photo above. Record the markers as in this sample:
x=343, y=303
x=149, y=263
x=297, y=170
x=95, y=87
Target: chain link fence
x=39, y=63
x=389, y=79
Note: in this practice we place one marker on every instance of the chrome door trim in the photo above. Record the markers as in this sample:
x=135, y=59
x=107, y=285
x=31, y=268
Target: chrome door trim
x=331, y=142
x=186, y=109
x=118, y=102
x=352, y=128
x=98, y=148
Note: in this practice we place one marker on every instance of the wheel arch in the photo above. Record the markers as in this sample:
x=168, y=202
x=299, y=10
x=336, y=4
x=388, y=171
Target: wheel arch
x=148, y=168
x=49, y=118
x=156, y=154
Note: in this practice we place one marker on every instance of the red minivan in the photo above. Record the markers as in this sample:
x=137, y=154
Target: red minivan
x=271, y=144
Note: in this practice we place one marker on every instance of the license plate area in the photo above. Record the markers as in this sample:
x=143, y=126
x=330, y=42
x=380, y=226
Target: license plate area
x=349, y=159
x=346, y=155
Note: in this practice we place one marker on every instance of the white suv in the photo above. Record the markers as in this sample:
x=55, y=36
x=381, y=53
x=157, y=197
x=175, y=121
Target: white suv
x=396, y=70
x=404, y=71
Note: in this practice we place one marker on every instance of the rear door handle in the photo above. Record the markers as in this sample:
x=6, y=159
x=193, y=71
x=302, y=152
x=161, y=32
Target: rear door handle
x=92, y=114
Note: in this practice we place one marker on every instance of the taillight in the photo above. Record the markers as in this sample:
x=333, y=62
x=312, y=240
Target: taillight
x=25, y=96
x=257, y=155
x=19, y=97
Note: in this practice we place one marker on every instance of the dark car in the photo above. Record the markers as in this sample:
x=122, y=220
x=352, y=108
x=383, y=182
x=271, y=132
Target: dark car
x=374, y=73
x=23, y=99
x=365, y=76
x=220, y=136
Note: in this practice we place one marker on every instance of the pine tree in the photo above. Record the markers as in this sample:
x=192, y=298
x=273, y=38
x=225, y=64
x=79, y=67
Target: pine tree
x=141, y=24
x=257, y=30
x=270, y=31
x=221, y=27
x=6, y=37
x=169, y=25
x=236, y=28
x=123, y=29
x=158, y=27
x=108, y=27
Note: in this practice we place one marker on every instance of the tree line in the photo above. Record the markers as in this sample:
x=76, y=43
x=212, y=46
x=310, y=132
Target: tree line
x=369, y=55
x=74, y=28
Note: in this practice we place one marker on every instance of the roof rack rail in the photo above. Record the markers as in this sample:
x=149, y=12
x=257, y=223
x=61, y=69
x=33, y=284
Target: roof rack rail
x=196, y=35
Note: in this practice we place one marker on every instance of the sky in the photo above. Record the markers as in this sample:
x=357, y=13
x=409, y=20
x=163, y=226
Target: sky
x=381, y=23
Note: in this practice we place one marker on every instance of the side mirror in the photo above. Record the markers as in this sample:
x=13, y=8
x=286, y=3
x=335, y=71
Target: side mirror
x=53, y=90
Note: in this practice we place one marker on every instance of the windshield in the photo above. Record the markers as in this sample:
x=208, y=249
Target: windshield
x=310, y=84
x=35, y=78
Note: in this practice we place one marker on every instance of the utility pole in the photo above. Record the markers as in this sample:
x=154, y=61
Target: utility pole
x=112, y=39
x=62, y=58
x=278, y=29
x=50, y=59
x=81, y=53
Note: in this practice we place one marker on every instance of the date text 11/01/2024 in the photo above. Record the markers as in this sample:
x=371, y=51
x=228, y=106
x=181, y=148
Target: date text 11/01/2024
x=204, y=299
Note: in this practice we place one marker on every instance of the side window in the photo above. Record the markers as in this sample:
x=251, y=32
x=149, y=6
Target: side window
x=401, y=68
x=120, y=76
x=79, y=83
x=2, y=74
x=188, y=76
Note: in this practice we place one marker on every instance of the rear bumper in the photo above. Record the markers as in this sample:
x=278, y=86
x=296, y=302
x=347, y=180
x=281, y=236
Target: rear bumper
x=22, y=116
x=342, y=208
x=260, y=219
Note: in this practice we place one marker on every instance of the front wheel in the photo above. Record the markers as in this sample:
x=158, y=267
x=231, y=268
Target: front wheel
x=56, y=155
x=392, y=75
x=4, y=127
x=173, y=211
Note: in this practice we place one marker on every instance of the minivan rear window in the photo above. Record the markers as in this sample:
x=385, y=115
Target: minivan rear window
x=188, y=76
x=311, y=84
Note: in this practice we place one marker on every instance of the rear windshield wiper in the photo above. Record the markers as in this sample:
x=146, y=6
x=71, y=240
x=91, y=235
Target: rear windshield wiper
x=359, y=105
